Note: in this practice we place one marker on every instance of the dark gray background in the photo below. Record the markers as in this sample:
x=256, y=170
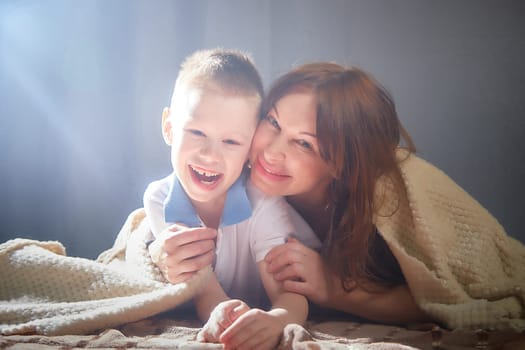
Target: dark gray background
x=83, y=83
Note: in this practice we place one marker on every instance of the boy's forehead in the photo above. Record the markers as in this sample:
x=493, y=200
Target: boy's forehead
x=216, y=109
x=188, y=98
x=214, y=87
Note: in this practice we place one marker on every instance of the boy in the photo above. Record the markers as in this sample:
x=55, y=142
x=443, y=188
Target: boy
x=209, y=125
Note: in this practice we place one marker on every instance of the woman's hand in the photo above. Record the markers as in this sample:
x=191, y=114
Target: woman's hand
x=222, y=316
x=302, y=270
x=179, y=251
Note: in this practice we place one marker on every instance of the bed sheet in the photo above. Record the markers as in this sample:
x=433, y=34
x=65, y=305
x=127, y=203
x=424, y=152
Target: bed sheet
x=165, y=332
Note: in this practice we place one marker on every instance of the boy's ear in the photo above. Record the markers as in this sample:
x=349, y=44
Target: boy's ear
x=167, y=132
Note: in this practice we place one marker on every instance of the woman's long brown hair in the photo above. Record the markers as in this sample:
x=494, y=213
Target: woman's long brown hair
x=358, y=132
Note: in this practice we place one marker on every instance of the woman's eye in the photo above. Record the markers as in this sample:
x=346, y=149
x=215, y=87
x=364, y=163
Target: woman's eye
x=231, y=142
x=273, y=122
x=195, y=132
x=305, y=144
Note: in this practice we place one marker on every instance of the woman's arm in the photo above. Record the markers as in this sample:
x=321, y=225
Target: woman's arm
x=302, y=270
x=393, y=305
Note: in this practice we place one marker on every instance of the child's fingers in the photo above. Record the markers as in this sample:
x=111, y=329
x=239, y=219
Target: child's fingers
x=204, y=336
x=188, y=235
x=226, y=313
x=240, y=326
x=201, y=337
x=238, y=311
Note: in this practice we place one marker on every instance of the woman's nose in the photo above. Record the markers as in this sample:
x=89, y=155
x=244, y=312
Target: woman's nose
x=275, y=150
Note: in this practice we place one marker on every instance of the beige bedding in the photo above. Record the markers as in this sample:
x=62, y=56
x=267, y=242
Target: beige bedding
x=164, y=332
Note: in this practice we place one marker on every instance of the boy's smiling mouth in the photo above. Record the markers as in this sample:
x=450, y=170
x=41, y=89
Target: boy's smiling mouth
x=204, y=176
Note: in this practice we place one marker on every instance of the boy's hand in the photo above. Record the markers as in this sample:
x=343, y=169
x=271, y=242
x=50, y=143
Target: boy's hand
x=255, y=329
x=180, y=252
x=221, y=318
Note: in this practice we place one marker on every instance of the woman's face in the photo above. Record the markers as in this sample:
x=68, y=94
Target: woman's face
x=285, y=151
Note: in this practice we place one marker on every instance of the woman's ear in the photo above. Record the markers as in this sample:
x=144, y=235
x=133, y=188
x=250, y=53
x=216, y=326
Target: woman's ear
x=167, y=131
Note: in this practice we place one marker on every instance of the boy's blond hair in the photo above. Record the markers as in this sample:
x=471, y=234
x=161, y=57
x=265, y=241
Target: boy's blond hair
x=226, y=71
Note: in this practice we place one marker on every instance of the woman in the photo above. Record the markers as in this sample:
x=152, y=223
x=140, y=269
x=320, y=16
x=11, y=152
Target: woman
x=401, y=241
x=328, y=134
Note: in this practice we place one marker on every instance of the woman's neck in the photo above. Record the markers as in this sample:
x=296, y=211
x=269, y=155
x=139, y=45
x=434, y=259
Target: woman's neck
x=315, y=211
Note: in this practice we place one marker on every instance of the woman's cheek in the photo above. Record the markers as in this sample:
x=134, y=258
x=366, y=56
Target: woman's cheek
x=258, y=144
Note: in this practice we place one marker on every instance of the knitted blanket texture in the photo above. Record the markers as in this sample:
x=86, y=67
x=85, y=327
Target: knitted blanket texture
x=43, y=291
x=460, y=265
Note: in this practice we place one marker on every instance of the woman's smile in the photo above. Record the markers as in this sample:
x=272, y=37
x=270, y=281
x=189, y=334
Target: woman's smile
x=266, y=170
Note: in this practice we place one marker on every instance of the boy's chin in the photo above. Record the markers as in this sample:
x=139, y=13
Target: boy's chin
x=205, y=193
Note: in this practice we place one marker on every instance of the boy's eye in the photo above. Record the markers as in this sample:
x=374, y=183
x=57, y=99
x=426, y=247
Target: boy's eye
x=231, y=142
x=195, y=132
x=273, y=122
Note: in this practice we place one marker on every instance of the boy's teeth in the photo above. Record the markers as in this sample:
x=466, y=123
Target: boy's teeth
x=206, y=176
x=205, y=173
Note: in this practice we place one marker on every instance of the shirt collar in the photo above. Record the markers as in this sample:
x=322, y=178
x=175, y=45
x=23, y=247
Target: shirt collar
x=178, y=207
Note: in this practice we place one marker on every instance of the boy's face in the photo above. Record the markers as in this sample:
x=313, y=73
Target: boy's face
x=210, y=135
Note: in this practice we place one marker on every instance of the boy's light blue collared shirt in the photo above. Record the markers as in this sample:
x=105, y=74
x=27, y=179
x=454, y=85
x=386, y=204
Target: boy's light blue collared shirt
x=237, y=206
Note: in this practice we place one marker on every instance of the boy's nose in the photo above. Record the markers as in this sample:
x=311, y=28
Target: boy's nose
x=210, y=151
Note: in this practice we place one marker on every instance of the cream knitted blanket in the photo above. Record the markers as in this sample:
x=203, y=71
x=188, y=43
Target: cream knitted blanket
x=460, y=265
x=43, y=291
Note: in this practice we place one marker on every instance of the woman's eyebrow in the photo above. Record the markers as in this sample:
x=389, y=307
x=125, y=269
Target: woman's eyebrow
x=308, y=133
x=276, y=116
